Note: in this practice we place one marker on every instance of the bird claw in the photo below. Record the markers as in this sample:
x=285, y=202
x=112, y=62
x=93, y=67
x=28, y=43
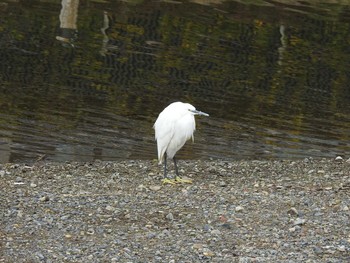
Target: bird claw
x=169, y=181
x=177, y=180
x=181, y=180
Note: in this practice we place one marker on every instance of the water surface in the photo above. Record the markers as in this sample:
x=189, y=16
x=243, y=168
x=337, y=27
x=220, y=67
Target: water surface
x=87, y=80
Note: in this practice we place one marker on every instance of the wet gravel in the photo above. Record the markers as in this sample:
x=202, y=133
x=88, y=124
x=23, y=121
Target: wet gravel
x=243, y=211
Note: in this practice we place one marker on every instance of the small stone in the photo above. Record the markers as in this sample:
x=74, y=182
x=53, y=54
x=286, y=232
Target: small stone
x=299, y=221
x=20, y=213
x=40, y=256
x=33, y=185
x=222, y=183
x=197, y=246
x=109, y=208
x=239, y=208
x=151, y=235
x=65, y=217
x=90, y=231
x=293, y=211
x=208, y=253
x=206, y=227
x=338, y=159
x=165, y=233
x=292, y=229
x=226, y=226
x=127, y=216
x=345, y=208
x=215, y=232
x=44, y=198
x=341, y=248
x=317, y=250
x=141, y=187
x=170, y=217
x=155, y=188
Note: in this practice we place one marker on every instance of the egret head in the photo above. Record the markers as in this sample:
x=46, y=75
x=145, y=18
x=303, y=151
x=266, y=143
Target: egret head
x=196, y=112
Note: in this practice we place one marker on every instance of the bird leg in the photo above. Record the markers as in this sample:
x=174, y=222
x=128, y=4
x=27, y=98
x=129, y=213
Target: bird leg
x=165, y=165
x=178, y=179
x=167, y=180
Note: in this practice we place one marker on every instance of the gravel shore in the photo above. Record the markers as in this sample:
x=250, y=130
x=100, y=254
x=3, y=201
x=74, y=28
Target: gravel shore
x=242, y=211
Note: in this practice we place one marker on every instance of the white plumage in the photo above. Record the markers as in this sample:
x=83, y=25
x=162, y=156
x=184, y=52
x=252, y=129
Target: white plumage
x=174, y=126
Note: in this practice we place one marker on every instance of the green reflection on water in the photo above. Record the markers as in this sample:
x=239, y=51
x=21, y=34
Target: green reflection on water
x=282, y=66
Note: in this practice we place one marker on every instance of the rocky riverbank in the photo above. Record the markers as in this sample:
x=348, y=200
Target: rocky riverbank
x=243, y=211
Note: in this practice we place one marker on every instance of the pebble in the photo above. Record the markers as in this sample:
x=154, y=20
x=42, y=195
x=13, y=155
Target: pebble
x=215, y=232
x=299, y=221
x=294, y=228
x=339, y=158
x=90, y=231
x=293, y=211
x=155, y=187
x=197, y=246
x=222, y=184
x=40, y=256
x=341, y=248
x=127, y=216
x=317, y=250
x=44, y=198
x=208, y=253
x=239, y=208
x=170, y=217
x=110, y=208
x=206, y=227
x=151, y=235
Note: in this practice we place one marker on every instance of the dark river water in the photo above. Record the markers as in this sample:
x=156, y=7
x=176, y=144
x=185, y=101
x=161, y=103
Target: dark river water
x=85, y=80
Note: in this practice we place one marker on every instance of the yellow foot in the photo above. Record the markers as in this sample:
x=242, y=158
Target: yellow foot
x=179, y=180
x=168, y=181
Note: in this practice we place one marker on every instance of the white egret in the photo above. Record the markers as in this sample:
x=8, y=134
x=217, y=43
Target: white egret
x=173, y=127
